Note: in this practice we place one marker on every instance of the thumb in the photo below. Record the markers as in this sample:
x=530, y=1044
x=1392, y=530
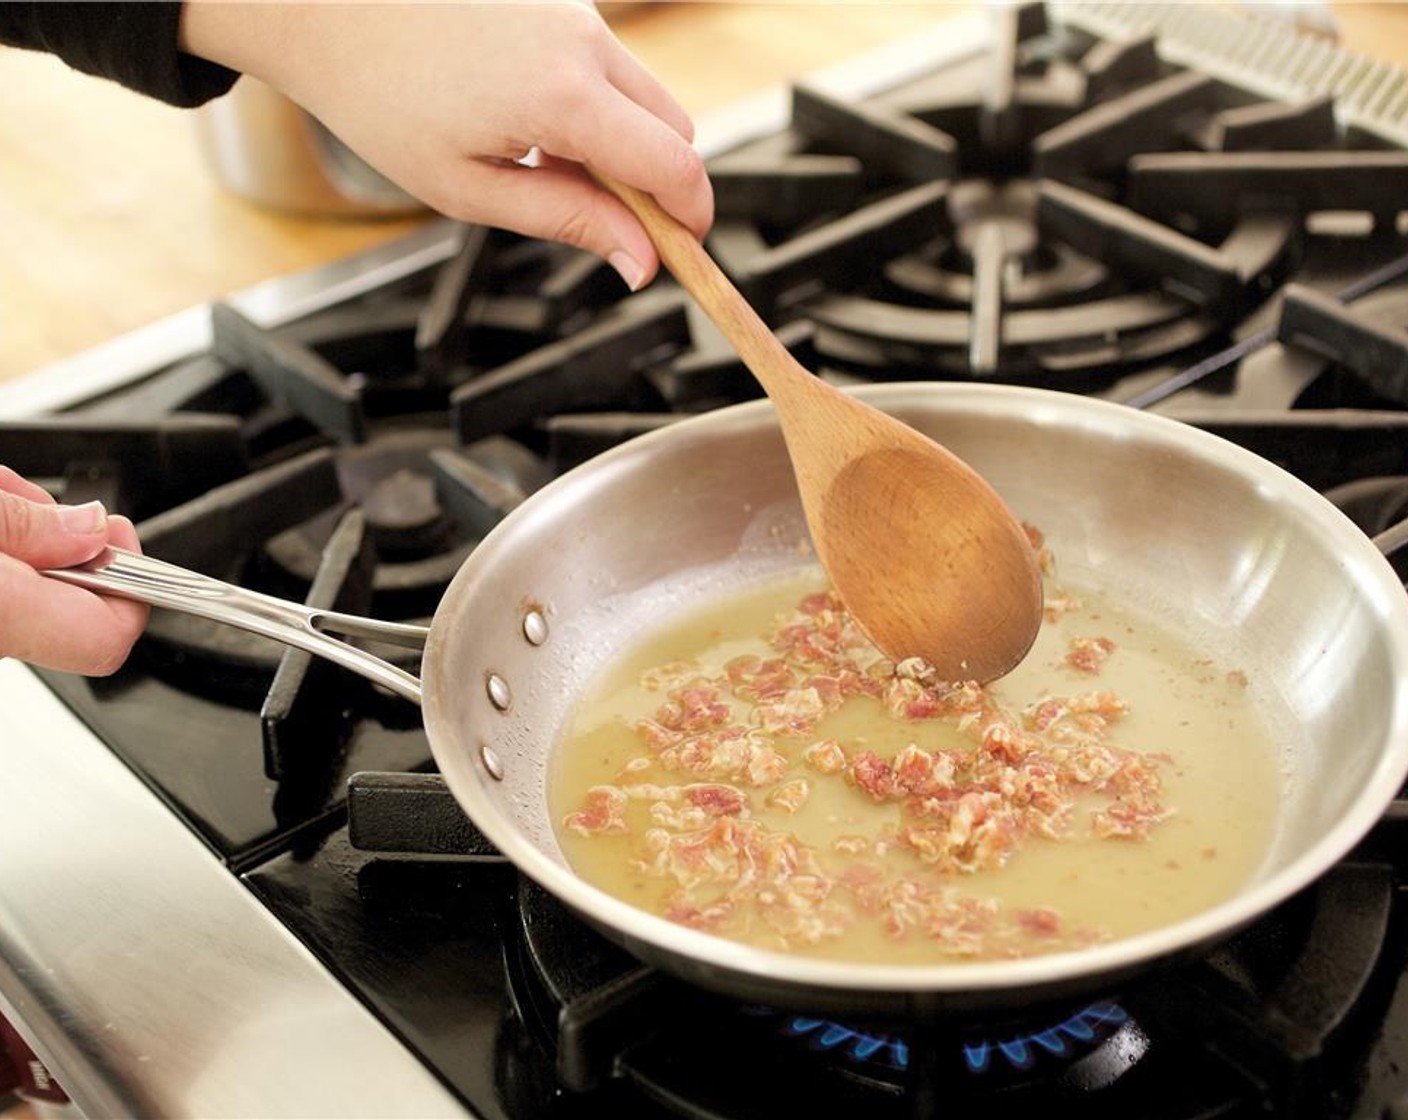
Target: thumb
x=51, y=536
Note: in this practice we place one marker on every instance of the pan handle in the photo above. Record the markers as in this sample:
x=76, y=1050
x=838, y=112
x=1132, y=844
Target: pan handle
x=1393, y=543
x=149, y=580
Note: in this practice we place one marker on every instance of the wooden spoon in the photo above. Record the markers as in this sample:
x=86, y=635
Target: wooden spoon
x=923, y=552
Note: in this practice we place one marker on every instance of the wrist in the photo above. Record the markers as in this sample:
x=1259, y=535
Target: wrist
x=242, y=37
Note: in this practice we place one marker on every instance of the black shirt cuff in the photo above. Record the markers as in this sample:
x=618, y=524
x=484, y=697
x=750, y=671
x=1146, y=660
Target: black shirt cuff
x=135, y=44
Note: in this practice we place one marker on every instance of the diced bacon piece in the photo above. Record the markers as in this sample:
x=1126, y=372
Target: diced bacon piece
x=938, y=804
x=651, y=791
x=790, y=796
x=657, y=736
x=873, y=774
x=1005, y=743
x=1061, y=717
x=925, y=706
x=1041, y=921
x=913, y=770
x=855, y=683
x=915, y=669
x=815, y=642
x=1125, y=821
x=1103, y=703
x=957, y=925
x=965, y=698
x=1044, y=560
x=820, y=602
x=1090, y=764
x=742, y=668
x=678, y=818
x=718, y=755
x=1058, y=604
x=1044, y=713
x=850, y=845
x=716, y=799
x=1136, y=781
x=763, y=765
x=918, y=771
x=693, y=709
x=663, y=678
x=711, y=855
x=905, y=698
x=825, y=755
x=710, y=918
x=734, y=754
x=1089, y=654
x=973, y=832
x=880, y=670
x=795, y=712
x=753, y=678
x=827, y=689
x=600, y=812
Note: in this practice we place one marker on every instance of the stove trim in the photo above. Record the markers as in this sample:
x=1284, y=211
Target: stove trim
x=256, y=1027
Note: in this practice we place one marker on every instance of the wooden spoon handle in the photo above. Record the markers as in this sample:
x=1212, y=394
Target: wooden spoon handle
x=701, y=277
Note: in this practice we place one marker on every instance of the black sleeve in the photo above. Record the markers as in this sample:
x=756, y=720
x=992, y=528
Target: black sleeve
x=131, y=43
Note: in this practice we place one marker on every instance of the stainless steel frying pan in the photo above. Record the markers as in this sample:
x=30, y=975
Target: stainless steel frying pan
x=1237, y=554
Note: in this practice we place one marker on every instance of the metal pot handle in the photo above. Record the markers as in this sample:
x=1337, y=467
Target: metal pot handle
x=149, y=580
x=1393, y=543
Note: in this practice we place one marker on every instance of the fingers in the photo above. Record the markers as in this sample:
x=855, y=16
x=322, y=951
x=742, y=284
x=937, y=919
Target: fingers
x=58, y=626
x=629, y=142
x=642, y=87
x=13, y=483
x=46, y=622
x=43, y=534
x=557, y=201
x=61, y=627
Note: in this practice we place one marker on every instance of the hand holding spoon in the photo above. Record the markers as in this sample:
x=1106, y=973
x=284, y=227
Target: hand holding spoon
x=923, y=552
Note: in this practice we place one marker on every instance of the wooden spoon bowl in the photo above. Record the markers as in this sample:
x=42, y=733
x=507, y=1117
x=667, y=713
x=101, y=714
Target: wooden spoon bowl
x=923, y=552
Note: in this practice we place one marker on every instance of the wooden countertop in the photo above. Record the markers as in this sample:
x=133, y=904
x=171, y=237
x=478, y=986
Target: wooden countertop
x=112, y=218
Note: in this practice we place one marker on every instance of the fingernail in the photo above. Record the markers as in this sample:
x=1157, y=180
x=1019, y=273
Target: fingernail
x=631, y=270
x=90, y=517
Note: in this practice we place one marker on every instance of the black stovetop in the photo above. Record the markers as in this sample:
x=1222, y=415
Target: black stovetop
x=1061, y=211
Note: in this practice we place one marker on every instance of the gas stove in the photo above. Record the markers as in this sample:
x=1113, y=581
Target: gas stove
x=247, y=892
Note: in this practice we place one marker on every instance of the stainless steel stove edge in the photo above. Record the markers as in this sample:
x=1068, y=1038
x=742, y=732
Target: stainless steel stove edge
x=147, y=977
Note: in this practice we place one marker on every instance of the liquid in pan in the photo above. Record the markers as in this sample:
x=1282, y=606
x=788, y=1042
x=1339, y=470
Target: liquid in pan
x=759, y=771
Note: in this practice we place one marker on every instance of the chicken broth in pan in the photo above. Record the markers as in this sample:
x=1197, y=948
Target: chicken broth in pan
x=761, y=772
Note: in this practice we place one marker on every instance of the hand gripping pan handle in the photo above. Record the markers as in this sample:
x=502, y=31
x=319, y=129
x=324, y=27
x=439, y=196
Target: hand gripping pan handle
x=149, y=580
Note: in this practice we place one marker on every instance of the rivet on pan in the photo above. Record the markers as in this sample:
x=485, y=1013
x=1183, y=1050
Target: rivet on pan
x=535, y=627
x=491, y=762
x=499, y=694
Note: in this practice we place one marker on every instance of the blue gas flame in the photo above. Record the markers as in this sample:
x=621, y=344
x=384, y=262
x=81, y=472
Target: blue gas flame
x=1019, y=1052
x=1022, y=1051
x=860, y=1044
